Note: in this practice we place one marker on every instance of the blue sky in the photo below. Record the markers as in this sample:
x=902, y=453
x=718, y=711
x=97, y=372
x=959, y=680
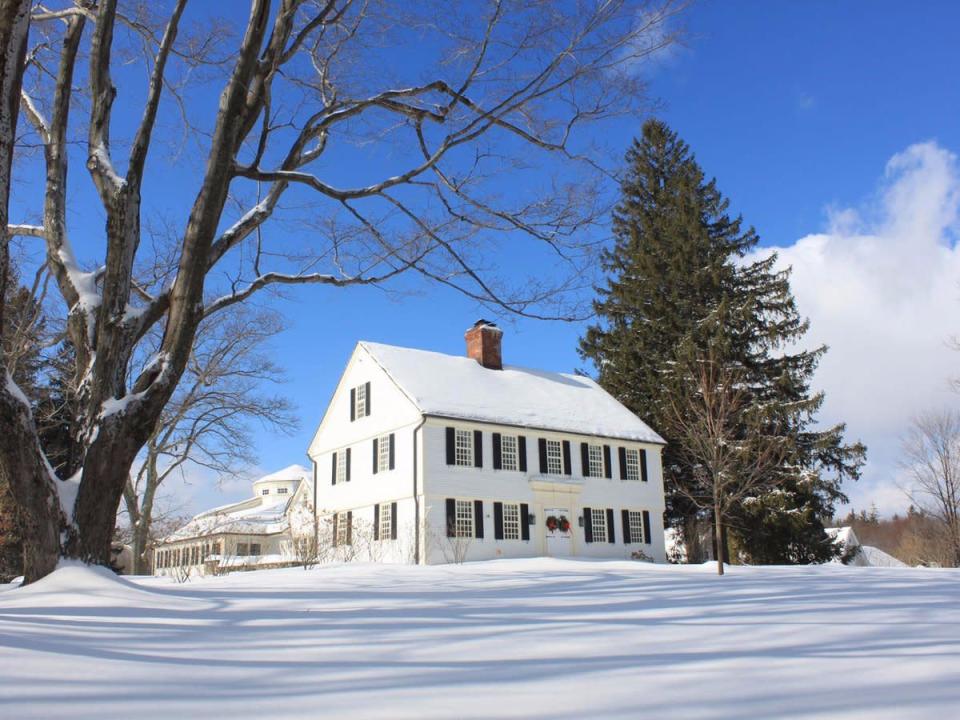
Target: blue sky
x=800, y=110
x=795, y=107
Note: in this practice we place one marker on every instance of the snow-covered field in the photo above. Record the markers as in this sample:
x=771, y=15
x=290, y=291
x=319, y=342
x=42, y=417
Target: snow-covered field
x=512, y=638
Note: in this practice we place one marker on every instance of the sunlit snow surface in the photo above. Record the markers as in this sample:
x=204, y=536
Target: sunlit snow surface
x=508, y=639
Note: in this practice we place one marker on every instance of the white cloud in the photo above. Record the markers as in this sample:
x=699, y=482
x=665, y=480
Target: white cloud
x=881, y=287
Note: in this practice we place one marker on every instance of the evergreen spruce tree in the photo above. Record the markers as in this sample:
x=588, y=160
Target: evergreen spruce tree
x=677, y=265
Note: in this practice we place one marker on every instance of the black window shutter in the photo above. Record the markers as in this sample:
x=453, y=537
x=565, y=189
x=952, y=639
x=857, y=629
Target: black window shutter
x=336, y=518
x=393, y=521
x=543, y=456
x=376, y=456
x=349, y=527
x=478, y=519
x=451, y=446
x=376, y=522
x=607, y=470
x=353, y=404
x=366, y=410
x=585, y=459
x=477, y=448
x=643, y=465
x=567, y=470
x=522, y=453
x=587, y=525
x=524, y=521
x=625, y=516
x=611, y=535
x=392, y=456
x=333, y=465
x=622, y=457
x=497, y=454
x=348, y=464
x=646, y=527
x=451, y=517
x=498, y=521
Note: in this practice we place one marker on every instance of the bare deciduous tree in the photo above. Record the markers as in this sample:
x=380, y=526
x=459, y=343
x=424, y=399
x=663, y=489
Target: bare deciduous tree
x=206, y=423
x=722, y=434
x=931, y=458
x=390, y=126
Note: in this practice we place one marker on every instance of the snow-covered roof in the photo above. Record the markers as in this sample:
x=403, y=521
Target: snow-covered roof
x=459, y=387
x=844, y=535
x=291, y=472
x=259, y=515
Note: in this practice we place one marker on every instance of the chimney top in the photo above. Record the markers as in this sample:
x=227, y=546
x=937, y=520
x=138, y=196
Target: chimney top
x=485, y=323
x=484, y=344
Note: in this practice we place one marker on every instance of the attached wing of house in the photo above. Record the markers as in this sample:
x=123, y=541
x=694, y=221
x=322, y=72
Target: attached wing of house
x=254, y=532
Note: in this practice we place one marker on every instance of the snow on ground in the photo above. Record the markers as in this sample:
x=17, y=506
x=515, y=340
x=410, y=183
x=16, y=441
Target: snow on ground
x=537, y=638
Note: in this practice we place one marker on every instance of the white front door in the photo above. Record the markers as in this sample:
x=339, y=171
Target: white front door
x=558, y=525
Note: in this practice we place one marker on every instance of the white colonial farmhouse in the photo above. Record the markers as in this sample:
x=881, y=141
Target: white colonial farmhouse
x=430, y=458
x=261, y=531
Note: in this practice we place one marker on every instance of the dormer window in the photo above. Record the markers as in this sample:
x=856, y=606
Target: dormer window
x=360, y=401
x=265, y=491
x=281, y=491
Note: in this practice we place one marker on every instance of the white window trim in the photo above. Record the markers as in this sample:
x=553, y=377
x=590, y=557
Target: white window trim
x=463, y=519
x=386, y=521
x=635, y=519
x=360, y=401
x=595, y=461
x=509, y=452
x=632, y=457
x=598, y=517
x=554, y=457
x=383, y=453
x=511, y=521
x=463, y=448
x=343, y=527
x=341, y=466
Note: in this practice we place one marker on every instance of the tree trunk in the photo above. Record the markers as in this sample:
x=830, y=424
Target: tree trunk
x=31, y=484
x=21, y=462
x=106, y=469
x=718, y=537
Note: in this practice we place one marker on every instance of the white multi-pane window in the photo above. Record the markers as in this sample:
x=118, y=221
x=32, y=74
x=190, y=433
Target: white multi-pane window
x=265, y=491
x=281, y=491
x=464, y=448
x=633, y=464
x=343, y=529
x=554, y=457
x=599, y=518
x=636, y=526
x=254, y=548
x=341, y=466
x=360, y=401
x=386, y=521
x=511, y=522
x=243, y=549
x=383, y=453
x=463, y=527
x=595, y=458
x=508, y=452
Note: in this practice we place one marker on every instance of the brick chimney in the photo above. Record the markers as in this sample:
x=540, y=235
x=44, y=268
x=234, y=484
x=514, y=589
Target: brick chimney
x=483, y=344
